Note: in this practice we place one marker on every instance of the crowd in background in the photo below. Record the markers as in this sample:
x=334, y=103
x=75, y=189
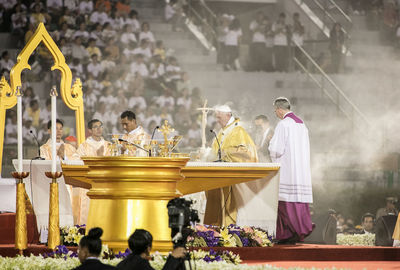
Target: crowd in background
x=368, y=221
x=119, y=60
x=270, y=45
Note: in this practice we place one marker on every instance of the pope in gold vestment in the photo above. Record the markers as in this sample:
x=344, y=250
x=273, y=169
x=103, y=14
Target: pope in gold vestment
x=236, y=146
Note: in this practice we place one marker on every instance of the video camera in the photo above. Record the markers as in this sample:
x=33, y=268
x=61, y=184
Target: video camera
x=180, y=215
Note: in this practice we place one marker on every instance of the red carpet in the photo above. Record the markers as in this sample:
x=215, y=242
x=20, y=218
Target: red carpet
x=353, y=265
x=310, y=252
x=7, y=228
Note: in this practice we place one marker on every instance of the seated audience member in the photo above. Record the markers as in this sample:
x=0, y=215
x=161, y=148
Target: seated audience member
x=89, y=251
x=390, y=208
x=367, y=223
x=140, y=243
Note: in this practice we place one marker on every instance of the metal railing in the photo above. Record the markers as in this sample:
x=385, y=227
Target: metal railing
x=202, y=21
x=341, y=11
x=321, y=24
x=328, y=15
x=335, y=94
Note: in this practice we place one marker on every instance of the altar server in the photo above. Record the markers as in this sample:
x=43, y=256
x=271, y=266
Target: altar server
x=290, y=146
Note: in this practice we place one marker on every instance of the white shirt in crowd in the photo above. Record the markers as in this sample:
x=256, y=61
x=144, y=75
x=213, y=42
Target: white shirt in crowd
x=232, y=37
x=107, y=64
x=27, y=135
x=8, y=4
x=145, y=51
x=83, y=34
x=194, y=133
x=86, y=7
x=173, y=68
x=280, y=38
x=137, y=101
x=148, y=35
x=185, y=102
x=135, y=24
x=95, y=69
x=258, y=36
x=18, y=20
x=140, y=68
x=11, y=130
x=103, y=117
x=45, y=115
x=90, y=100
x=156, y=71
x=54, y=3
x=222, y=34
x=7, y=64
x=127, y=38
x=128, y=52
x=99, y=17
x=109, y=101
x=164, y=101
x=156, y=118
x=71, y=5
x=169, y=12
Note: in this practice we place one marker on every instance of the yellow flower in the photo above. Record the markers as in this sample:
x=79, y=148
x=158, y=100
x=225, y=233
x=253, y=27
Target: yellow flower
x=228, y=240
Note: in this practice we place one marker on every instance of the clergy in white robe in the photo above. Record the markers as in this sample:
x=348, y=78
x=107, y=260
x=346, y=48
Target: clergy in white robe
x=93, y=146
x=290, y=146
x=135, y=134
x=64, y=152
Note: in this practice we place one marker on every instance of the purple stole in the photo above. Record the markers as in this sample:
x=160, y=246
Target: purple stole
x=294, y=117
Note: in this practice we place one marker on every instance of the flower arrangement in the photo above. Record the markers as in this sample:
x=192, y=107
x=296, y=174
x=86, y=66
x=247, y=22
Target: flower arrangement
x=231, y=236
x=71, y=236
x=216, y=256
x=367, y=239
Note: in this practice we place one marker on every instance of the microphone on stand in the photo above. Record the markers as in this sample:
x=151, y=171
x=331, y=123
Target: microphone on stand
x=38, y=145
x=219, y=146
x=152, y=136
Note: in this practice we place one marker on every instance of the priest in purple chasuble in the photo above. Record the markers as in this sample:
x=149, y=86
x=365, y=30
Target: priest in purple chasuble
x=93, y=146
x=236, y=146
x=290, y=146
x=134, y=134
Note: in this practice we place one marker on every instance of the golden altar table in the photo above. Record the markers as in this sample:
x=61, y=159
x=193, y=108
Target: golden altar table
x=132, y=192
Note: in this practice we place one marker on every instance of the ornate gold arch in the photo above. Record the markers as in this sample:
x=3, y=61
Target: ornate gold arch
x=71, y=94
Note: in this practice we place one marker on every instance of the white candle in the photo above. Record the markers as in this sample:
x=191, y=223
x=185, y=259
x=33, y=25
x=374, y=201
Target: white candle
x=19, y=129
x=53, y=131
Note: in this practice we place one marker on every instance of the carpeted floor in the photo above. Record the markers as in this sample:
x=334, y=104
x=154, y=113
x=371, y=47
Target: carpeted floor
x=354, y=265
x=311, y=252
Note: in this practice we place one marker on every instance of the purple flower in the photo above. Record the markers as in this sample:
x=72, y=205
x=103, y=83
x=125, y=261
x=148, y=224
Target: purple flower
x=209, y=237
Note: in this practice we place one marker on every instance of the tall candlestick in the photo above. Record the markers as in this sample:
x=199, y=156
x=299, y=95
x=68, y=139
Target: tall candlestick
x=19, y=127
x=53, y=94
